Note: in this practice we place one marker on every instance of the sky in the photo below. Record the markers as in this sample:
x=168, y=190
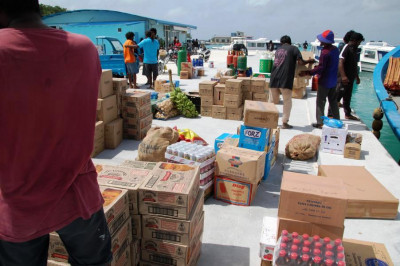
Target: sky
x=300, y=19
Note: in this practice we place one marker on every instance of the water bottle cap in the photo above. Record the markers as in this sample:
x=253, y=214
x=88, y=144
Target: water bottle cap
x=317, y=252
x=285, y=239
x=317, y=259
x=305, y=237
x=305, y=257
x=341, y=263
x=340, y=256
x=283, y=246
x=329, y=262
x=327, y=240
x=318, y=245
x=329, y=247
x=305, y=250
x=294, y=247
x=296, y=241
x=293, y=255
x=316, y=238
x=285, y=232
x=282, y=253
x=329, y=254
x=338, y=242
x=307, y=243
x=295, y=234
x=340, y=249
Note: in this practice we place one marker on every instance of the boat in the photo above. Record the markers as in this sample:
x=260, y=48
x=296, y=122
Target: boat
x=389, y=103
x=316, y=47
x=372, y=52
x=259, y=44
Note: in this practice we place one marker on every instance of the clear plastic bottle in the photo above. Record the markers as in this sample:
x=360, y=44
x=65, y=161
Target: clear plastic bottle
x=305, y=237
x=318, y=245
x=341, y=263
x=283, y=259
x=283, y=246
x=294, y=249
x=307, y=243
x=285, y=239
x=294, y=259
x=316, y=261
x=340, y=258
x=305, y=250
x=328, y=255
x=329, y=262
x=169, y=149
x=305, y=260
x=316, y=253
x=297, y=242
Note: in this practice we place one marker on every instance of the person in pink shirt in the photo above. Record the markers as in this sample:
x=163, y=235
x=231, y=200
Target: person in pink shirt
x=48, y=94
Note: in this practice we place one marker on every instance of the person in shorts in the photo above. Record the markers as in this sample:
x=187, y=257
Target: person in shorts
x=151, y=48
x=131, y=62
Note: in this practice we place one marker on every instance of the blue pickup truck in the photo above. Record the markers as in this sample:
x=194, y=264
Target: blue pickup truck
x=111, y=55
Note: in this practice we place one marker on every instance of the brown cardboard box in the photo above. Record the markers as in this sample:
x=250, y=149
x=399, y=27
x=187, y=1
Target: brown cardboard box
x=135, y=252
x=207, y=100
x=352, y=151
x=136, y=231
x=233, y=86
x=206, y=88
x=258, y=85
x=178, y=252
x=240, y=164
x=266, y=263
x=312, y=199
x=246, y=84
x=223, y=79
x=299, y=93
x=234, y=192
x=200, y=72
x=129, y=178
x=113, y=133
x=138, y=113
x=219, y=92
x=137, y=134
x=120, y=84
x=170, y=185
x=366, y=196
x=260, y=114
x=261, y=97
x=184, y=74
x=165, y=88
x=108, y=109
x=234, y=113
x=247, y=95
x=136, y=98
x=99, y=130
x=303, y=227
x=218, y=111
x=206, y=110
x=139, y=164
x=174, y=230
x=233, y=100
x=360, y=253
x=135, y=123
x=106, y=84
x=158, y=85
x=98, y=146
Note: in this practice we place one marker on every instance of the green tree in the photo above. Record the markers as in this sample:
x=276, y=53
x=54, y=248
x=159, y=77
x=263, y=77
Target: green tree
x=48, y=10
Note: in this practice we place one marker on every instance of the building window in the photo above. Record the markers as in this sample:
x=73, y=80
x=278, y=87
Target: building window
x=369, y=54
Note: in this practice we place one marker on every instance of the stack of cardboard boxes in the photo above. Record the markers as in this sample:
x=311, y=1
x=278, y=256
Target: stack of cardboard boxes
x=137, y=114
x=300, y=83
x=171, y=205
x=186, y=70
x=206, y=91
x=117, y=215
x=240, y=169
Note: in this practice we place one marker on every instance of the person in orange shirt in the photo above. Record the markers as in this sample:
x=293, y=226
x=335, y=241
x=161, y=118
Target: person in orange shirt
x=131, y=62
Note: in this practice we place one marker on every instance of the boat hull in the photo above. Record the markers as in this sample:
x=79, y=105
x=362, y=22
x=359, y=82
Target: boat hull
x=368, y=66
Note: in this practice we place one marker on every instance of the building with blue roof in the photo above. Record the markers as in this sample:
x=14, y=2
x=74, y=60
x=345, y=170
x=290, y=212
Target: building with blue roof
x=93, y=23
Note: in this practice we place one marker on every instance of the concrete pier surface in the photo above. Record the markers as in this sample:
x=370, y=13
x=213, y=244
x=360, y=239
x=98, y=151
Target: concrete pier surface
x=232, y=233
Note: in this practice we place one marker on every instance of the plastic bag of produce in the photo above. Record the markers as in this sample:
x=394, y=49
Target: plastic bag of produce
x=154, y=145
x=189, y=135
x=331, y=122
x=166, y=109
x=302, y=147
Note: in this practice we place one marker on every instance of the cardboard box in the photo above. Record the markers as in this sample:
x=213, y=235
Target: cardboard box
x=135, y=252
x=268, y=238
x=260, y=114
x=200, y=71
x=233, y=191
x=170, y=190
x=206, y=88
x=246, y=82
x=136, y=98
x=120, y=84
x=360, y=253
x=303, y=227
x=139, y=164
x=366, y=196
x=138, y=113
x=137, y=134
x=174, y=230
x=333, y=139
x=165, y=88
x=233, y=86
x=312, y=199
x=218, y=111
x=240, y=164
x=108, y=109
x=247, y=95
x=225, y=137
x=352, y=151
x=234, y=113
x=219, y=92
x=299, y=93
x=258, y=85
x=158, y=85
x=136, y=226
x=129, y=178
x=116, y=207
x=206, y=110
x=136, y=123
x=261, y=97
x=223, y=79
x=98, y=145
x=207, y=100
x=266, y=263
x=233, y=100
x=113, y=133
x=184, y=74
x=105, y=84
x=254, y=138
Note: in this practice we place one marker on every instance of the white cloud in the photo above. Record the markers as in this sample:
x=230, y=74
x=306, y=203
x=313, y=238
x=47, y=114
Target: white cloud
x=256, y=3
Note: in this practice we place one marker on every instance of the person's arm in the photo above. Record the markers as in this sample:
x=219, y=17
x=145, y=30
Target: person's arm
x=323, y=62
x=343, y=76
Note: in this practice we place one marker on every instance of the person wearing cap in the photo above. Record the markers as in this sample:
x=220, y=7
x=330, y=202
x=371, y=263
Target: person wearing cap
x=327, y=71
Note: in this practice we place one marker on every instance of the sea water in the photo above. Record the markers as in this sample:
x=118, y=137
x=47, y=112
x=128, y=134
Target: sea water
x=364, y=101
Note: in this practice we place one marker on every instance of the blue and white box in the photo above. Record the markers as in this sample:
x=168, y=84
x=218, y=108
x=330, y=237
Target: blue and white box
x=254, y=138
x=221, y=139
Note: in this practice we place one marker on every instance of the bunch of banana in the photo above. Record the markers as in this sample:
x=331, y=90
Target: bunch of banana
x=183, y=104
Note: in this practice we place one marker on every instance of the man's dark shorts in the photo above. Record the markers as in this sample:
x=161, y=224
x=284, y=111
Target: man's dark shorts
x=150, y=69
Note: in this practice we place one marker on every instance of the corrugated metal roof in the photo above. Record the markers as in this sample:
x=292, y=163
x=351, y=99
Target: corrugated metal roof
x=99, y=16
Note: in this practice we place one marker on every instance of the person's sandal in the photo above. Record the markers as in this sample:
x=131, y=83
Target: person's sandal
x=352, y=117
x=316, y=125
x=286, y=126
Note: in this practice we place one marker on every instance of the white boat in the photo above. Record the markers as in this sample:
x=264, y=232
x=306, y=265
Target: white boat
x=372, y=53
x=260, y=44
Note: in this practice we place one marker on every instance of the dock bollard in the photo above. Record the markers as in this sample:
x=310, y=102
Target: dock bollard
x=377, y=124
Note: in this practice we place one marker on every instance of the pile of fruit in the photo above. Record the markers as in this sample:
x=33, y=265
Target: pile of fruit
x=183, y=104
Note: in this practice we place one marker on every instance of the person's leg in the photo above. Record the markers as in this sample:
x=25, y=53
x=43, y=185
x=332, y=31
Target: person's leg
x=33, y=252
x=333, y=103
x=287, y=104
x=155, y=73
x=321, y=101
x=273, y=95
x=348, y=90
x=88, y=242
